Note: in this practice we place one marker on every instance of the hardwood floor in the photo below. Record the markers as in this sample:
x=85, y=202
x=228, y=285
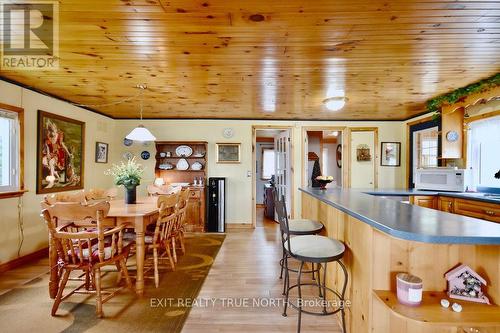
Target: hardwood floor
x=247, y=268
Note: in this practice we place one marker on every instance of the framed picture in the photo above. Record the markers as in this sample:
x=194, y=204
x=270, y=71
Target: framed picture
x=228, y=152
x=390, y=154
x=60, y=153
x=101, y=152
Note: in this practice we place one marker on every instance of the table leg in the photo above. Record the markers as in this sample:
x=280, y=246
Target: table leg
x=140, y=252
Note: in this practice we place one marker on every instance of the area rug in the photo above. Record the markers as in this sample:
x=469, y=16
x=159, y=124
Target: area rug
x=164, y=309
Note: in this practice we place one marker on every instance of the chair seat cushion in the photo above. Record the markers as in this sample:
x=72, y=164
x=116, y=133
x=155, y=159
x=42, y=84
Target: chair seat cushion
x=316, y=247
x=94, y=253
x=304, y=226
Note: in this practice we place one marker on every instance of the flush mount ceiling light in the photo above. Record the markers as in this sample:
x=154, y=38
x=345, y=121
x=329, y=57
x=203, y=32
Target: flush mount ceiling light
x=335, y=103
x=141, y=133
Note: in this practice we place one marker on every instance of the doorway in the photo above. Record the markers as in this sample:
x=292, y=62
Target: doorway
x=272, y=169
x=322, y=155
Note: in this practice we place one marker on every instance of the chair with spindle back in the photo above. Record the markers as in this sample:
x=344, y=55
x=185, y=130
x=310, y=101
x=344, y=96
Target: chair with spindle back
x=87, y=250
x=167, y=217
x=78, y=196
x=98, y=194
x=179, y=228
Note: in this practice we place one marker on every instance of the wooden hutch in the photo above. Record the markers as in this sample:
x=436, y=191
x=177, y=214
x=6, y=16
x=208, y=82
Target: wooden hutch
x=166, y=156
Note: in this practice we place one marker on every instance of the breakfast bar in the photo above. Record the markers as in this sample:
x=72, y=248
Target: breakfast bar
x=384, y=237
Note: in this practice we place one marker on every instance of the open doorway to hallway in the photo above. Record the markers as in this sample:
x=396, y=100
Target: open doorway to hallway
x=322, y=155
x=272, y=159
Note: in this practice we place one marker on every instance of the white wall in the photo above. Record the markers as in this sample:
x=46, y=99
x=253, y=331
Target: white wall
x=97, y=128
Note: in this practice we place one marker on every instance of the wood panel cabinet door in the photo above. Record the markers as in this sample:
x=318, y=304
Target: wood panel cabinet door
x=427, y=201
x=446, y=204
x=195, y=212
x=481, y=210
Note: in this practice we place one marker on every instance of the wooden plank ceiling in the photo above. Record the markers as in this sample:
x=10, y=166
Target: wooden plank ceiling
x=269, y=59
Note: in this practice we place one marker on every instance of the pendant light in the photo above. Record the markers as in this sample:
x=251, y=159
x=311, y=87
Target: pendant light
x=141, y=133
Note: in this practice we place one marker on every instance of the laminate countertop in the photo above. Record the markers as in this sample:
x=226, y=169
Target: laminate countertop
x=405, y=221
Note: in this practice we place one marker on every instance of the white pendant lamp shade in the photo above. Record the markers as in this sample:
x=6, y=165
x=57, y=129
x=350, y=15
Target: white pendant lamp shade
x=335, y=103
x=141, y=133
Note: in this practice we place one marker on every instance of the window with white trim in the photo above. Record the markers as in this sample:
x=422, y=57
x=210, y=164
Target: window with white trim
x=9, y=151
x=268, y=160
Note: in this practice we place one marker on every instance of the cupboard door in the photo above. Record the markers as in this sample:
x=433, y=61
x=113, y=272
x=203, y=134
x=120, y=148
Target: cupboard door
x=481, y=210
x=427, y=201
x=446, y=204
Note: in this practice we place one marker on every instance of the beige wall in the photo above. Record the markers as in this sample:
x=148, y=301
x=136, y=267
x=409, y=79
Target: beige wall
x=97, y=128
x=239, y=186
x=100, y=128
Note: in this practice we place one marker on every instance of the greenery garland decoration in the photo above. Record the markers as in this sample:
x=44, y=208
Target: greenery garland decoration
x=434, y=104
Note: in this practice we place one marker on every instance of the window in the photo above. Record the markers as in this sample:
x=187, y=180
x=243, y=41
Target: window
x=483, y=140
x=427, y=147
x=10, y=155
x=268, y=160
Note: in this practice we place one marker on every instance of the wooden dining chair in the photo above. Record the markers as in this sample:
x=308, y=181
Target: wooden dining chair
x=161, y=239
x=179, y=227
x=79, y=248
x=101, y=194
x=78, y=197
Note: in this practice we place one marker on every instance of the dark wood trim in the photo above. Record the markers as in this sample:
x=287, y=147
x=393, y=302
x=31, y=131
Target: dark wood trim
x=20, y=118
x=482, y=116
x=26, y=259
x=261, y=139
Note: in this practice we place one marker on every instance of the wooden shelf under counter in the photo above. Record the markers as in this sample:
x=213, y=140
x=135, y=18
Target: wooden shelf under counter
x=430, y=312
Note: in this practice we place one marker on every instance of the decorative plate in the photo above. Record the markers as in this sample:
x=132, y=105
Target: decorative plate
x=199, y=155
x=183, y=151
x=228, y=133
x=166, y=166
x=128, y=142
x=182, y=164
x=145, y=155
x=452, y=136
x=127, y=155
x=196, y=166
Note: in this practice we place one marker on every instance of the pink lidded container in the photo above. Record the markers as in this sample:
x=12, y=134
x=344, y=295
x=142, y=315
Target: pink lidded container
x=409, y=289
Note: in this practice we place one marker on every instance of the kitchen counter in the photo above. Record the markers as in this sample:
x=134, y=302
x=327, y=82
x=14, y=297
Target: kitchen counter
x=405, y=192
x=408, y=222
x=383, y=237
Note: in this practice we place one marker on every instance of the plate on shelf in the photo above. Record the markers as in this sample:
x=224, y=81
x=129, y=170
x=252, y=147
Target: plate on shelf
x=196, y=166
x=182, y=164
x=166, y=166
x=183, y=151
x=127, y=155
x=199, y=155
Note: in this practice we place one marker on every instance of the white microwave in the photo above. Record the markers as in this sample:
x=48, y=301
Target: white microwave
x=442, y=179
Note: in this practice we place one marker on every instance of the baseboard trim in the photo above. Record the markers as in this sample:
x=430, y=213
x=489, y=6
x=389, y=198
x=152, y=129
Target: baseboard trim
x=24, y=260
x=238, y=226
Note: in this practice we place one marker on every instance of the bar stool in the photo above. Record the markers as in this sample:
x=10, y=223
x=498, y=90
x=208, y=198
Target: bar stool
x=299, y=227
x=314, y=249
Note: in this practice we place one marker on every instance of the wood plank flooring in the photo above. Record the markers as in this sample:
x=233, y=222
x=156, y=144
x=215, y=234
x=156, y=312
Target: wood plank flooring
x=247, y=268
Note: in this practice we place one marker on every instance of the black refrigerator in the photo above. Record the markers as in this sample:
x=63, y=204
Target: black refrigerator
x=216, y=205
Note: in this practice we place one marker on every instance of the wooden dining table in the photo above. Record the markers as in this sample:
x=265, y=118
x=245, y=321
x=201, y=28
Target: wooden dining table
x=135, y=216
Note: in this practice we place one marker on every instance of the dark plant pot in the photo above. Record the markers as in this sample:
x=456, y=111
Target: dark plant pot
x=130, y=195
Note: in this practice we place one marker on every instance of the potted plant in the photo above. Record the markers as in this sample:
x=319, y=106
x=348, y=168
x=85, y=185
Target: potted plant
x=129, y=175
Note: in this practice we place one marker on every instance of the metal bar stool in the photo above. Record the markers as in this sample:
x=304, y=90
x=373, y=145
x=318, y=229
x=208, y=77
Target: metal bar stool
x=319, y=250
x=299, y=227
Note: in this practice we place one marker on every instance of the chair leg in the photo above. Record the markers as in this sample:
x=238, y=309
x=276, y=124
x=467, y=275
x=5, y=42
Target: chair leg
x=87, y=280
x=344, y=287
x=124, y=269
x=155, y=260
x=312, y=272
x=174, y=250
x=58, y=298
x=170, y=258
x=299, y=299
x=286, y=284
x=282, y=262
x=181, y=242
x=285, y=266
x=119, y=270
x=98, y=296
x=324, y=288
x=318, y=267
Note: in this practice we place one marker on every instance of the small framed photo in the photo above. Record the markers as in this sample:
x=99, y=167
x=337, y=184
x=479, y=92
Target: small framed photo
x=390, y=154
x=228, y=152
x=101, y=152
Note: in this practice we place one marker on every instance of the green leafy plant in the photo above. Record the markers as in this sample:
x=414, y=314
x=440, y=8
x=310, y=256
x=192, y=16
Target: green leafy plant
x=127, y=174
x=434, y=105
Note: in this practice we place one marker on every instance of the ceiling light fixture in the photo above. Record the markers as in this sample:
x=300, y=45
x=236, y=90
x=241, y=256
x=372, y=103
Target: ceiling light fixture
x=334, y=103
x=141, y=133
